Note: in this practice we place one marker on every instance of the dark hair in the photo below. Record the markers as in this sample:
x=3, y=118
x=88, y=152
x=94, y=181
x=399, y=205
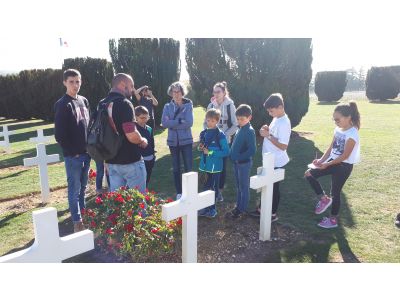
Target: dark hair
x=70, y=73
x=274, y=101
x=141, y=110
x=350, y=109
x=223, y=86
x=243, y=110
x=213, y=113
x=176, y=84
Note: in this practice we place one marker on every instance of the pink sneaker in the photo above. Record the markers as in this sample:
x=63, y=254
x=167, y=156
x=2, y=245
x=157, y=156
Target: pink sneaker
x=322, y=205
x=328, y=222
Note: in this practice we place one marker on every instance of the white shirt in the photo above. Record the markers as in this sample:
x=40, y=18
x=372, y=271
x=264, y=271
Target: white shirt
x=340, y=139
x=280, y=128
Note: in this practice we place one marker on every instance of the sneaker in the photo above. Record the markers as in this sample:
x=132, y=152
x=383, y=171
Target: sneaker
x=255, y=213
x=328, y=223
x=323, y=204
x=211, y=213
x=220, y=198
x=397, y=222
x=274, y=218
x=178, y=196
x=235, y=213
x=202, y=212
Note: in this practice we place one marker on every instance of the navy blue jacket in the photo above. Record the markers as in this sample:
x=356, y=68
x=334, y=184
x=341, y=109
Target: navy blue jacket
x=244, y=144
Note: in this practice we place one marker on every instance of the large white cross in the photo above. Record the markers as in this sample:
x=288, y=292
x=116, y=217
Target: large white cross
x=187, y=207
x=42, y=159
x=40, y=137
x=265, y=180
x=48, y=246
x=6, y=134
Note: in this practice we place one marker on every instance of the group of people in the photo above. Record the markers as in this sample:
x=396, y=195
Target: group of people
x=228, y=136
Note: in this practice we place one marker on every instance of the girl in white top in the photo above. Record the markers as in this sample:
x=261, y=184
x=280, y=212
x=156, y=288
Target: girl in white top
x=337, y=161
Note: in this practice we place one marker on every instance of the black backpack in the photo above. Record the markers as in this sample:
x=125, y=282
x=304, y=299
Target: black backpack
x=103, y=140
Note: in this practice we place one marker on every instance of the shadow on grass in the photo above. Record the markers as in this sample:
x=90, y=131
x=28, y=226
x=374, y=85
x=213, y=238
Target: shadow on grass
x=19, y=159
x=4, y=221
x=300, y=211
x=25, y=136
x=386, y=102
x=13, y=175
x=328, y=102
x=22, y=124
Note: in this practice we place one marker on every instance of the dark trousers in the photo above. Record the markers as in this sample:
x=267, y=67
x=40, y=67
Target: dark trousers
x=212, y=184
x=149, y=168
x=339, y=173
x=187, y=156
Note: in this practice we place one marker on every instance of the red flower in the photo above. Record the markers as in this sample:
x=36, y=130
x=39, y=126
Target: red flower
x=123, y=188
x=155, y=230
x=109, y=231
x=179, y=221
x=146, y=190
x=157, y=203
x=83, y=211
x=136, y=187
x=147, y=198
x=92, y=174
x=99, y=201
x=128, y=227
x=153, y=192
x=128, y=198
x=119, y=198
x=112, y=217
x=93, y=224
x=169, y=200
x=129, y=213
x=90, y=213
x=141, y=205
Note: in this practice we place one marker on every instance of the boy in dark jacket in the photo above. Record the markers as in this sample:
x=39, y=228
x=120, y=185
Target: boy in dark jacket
x=242, y=152
x=148, y=153
x=71, y=122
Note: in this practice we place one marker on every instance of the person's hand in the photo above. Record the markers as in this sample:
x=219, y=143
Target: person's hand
x=205, y=151
x=264, y=131
x=323, y=166
x=317, y=162
x=201, y=146
x=150, y=93
x=144, y=143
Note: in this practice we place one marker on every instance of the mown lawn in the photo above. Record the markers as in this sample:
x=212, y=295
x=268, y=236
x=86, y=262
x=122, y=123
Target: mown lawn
x=370, y=197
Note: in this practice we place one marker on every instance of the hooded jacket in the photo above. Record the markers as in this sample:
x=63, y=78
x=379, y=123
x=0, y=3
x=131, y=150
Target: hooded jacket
x=179, y=121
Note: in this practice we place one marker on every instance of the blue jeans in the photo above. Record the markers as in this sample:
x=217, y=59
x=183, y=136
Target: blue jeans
x=212, y=184
x=187, y=155
x=242, y=178
x=132, y=175
x=77, y=169
x=100, y=175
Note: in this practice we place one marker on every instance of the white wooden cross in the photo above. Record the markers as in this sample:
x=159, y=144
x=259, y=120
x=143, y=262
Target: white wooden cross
x=6, y=134
x=265, y=180
x=42, y=159
x=187, y=207
x=40, y=137
x=48, y=246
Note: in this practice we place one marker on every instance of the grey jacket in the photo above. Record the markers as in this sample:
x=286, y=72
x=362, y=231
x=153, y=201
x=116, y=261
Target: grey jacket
x=223, y=124
x=179, y=121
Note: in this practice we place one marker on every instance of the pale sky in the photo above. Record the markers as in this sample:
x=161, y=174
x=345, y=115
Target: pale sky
x=329, y=53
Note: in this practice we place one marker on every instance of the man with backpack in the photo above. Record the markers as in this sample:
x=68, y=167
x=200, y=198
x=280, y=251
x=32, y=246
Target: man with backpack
x=70, y=125
x=125, y=163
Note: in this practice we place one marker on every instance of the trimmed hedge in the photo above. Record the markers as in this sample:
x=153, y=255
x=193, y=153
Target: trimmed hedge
x=32, y=93
x=151, y=62
x=383, y=83
x=253, y=69
x=330, y=85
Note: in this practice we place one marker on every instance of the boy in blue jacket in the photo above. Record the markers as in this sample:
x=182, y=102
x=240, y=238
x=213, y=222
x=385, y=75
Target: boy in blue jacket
x=214, y=147
x=242, y=152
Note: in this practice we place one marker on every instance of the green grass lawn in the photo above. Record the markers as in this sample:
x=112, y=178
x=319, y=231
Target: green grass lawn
x=369, y=203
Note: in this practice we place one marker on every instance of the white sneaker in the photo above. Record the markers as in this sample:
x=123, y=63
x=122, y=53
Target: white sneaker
x=178, y=196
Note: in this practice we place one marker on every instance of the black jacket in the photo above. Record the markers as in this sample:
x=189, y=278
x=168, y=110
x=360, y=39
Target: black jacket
x=70, y=124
